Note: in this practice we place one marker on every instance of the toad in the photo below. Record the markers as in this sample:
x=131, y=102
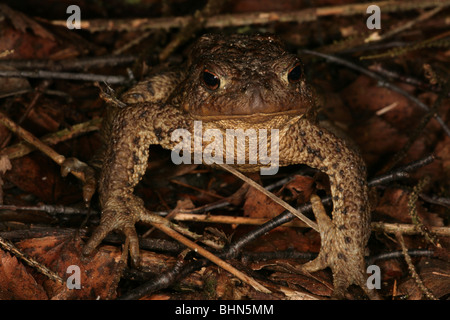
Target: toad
x=232, y=82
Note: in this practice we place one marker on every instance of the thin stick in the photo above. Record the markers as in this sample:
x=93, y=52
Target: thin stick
x=411, y=23
x=194, y=24
x=246, y=19
x=6, y=245
x=22, y=149
x=212, y=194
x=221, y=263
x=408, y=229
x=38, y=144
x=43, y=74
x=68, y=64
x=207, y=218
x=273, y=197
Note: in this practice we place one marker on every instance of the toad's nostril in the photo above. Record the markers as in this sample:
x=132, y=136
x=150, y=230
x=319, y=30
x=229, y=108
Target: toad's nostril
x=256, y=102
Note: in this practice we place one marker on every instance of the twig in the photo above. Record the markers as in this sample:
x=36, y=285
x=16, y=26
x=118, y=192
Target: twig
x=50, y=209
x=242, y=276
x=21, y=149
x=43, y=74
x=437, y=41
x=36, y=96
x=361, y=40
x=207, y=218
x=31, y=139
x=194, y=24
x=398, y=254
x=6, y=245
x=412, y=270
x=39, y=232
x=406, y=79
x=69, y=64
x=207, y=207
x=436, y=200
x=274, y=198
x=408, y=229
x=212, y=194
x=132, y=43
x=246, y=19
x=381, y=82
x=414, y=165
x=407, y=25
x=179, y=271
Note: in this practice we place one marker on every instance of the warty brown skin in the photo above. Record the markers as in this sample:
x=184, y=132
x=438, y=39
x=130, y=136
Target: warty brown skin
x=255, y=90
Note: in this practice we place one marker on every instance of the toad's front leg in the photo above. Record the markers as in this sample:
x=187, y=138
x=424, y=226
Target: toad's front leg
x=343, y=239
x=125, y=162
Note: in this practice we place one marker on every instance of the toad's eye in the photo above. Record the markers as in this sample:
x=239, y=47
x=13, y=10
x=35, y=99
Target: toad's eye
x=211, y=80
x=295, y=74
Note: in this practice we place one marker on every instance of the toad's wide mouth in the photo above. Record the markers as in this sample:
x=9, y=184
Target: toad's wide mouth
x=254, y=117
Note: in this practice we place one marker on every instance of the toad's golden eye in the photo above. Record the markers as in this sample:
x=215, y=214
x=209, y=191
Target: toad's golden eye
x=210, y=80
x=295, y=74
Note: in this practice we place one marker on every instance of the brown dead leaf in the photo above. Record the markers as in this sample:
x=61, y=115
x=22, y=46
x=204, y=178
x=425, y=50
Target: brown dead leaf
x=365, y=94
x=394, y=203
x=98, y=274
x=257, y=205
x=23, y=23
x=281, y=238
x=377, y=138
x=301, y=188
x=38, y=175
x=382, y=135
x=24, y=45
x=284, y=238
x=391, y=269
x=16, y=283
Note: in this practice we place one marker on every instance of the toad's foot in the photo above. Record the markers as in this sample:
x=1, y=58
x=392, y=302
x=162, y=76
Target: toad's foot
x=347, y=267
x=122, y=214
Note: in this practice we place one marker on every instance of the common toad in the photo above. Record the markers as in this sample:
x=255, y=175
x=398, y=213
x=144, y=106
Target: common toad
x=234, y=82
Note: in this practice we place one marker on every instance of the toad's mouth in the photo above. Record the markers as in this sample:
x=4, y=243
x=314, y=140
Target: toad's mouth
x=254, y=117
x=252, y=106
